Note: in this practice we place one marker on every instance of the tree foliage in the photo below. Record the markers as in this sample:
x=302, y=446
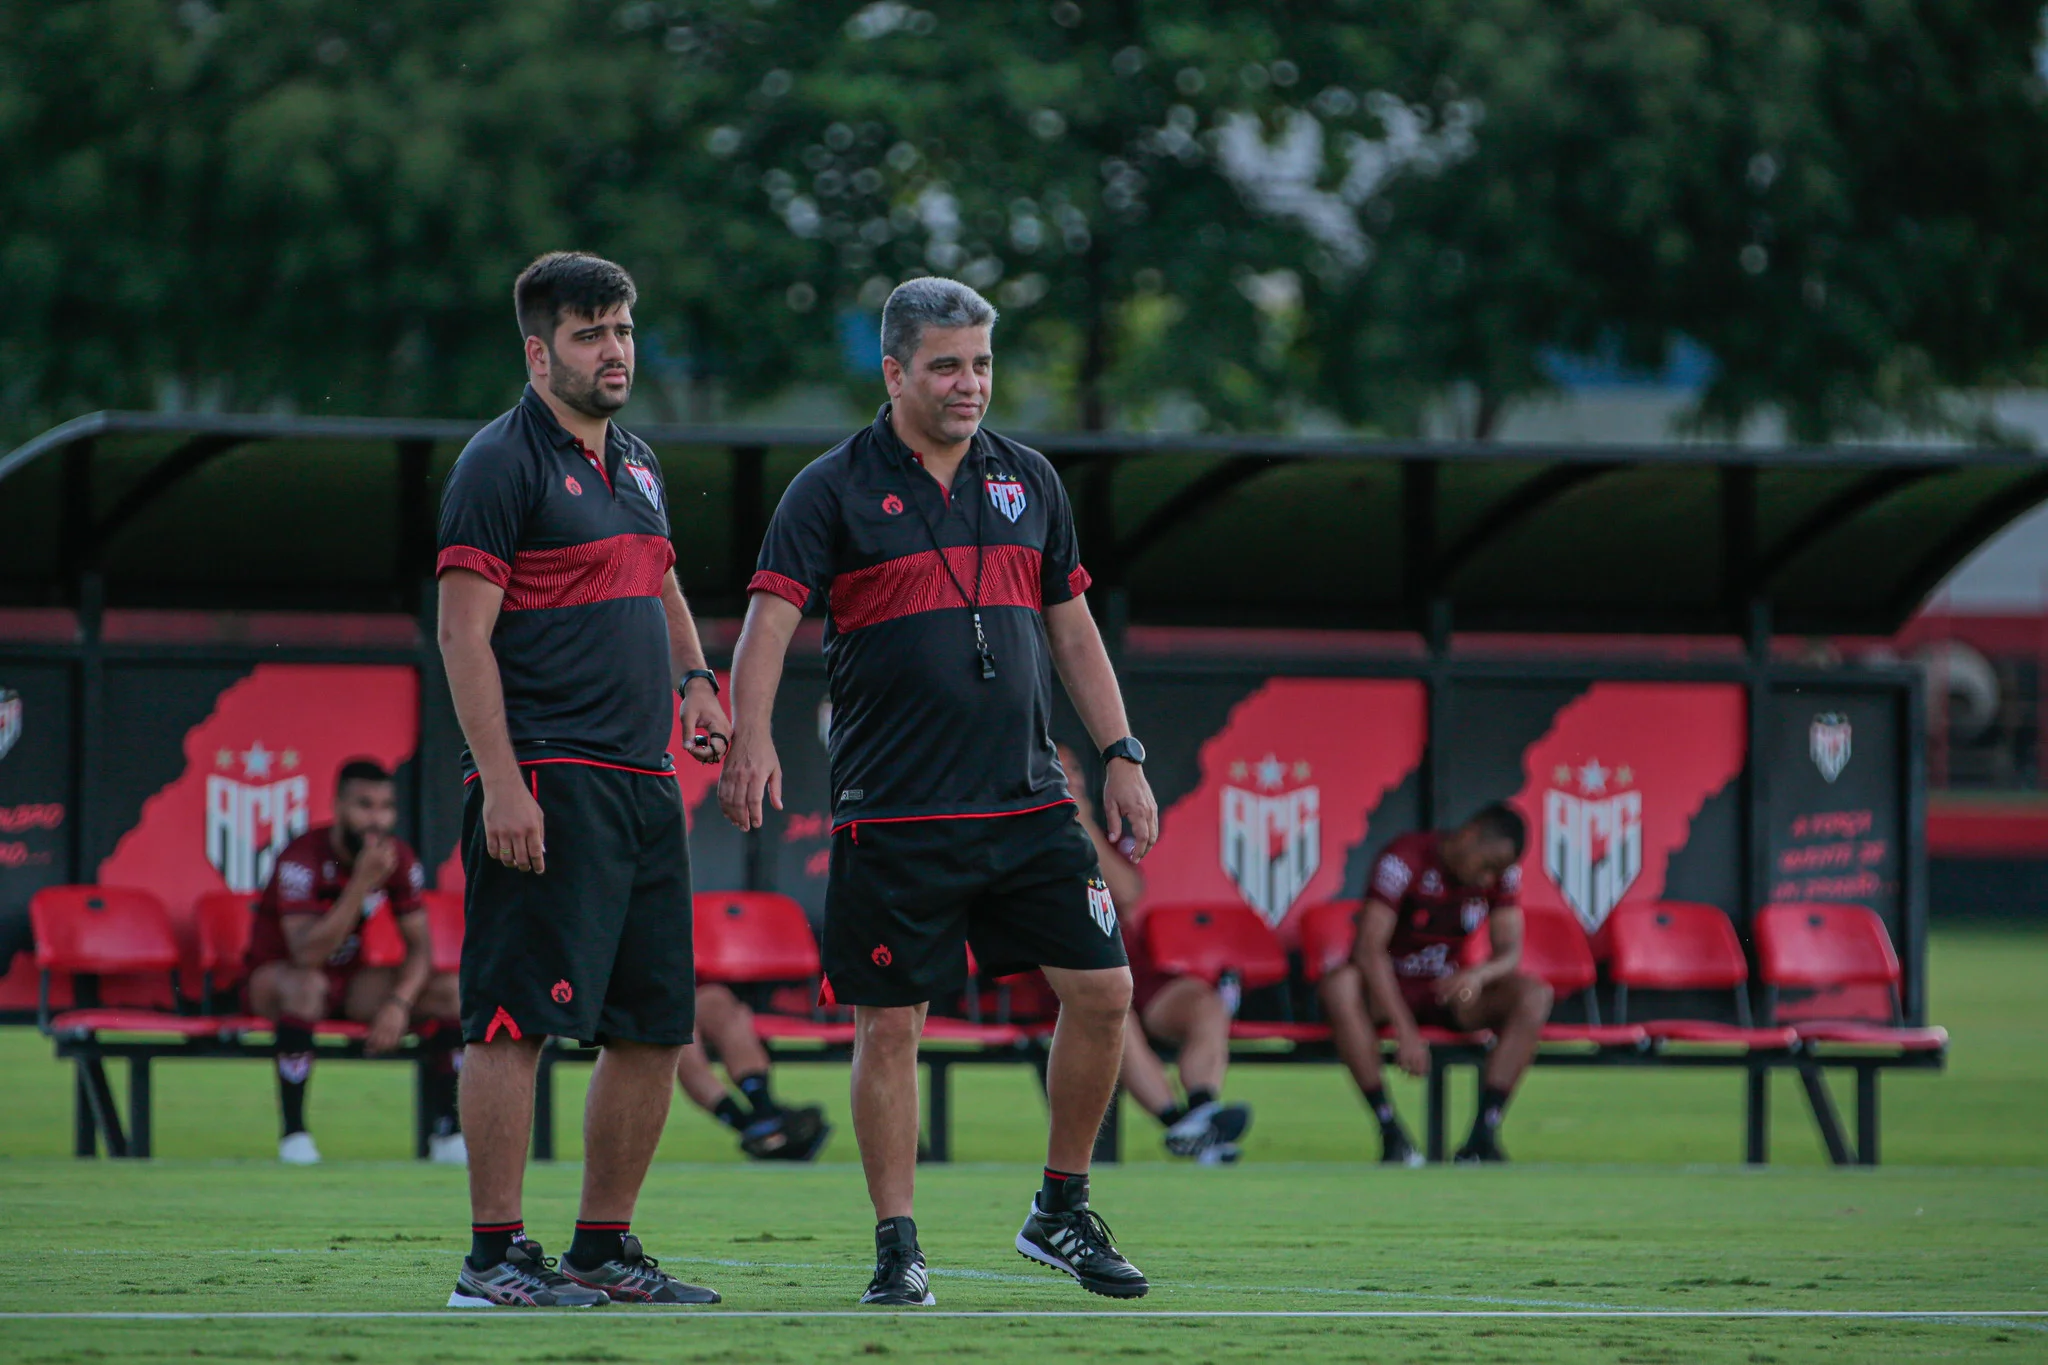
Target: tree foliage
x=1190, y=211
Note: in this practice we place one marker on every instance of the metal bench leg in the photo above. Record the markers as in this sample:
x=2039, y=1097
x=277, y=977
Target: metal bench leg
x=1866, y=1115
x=420, y=1125
x=939, y=1121
x=1822, y=1101
x=138, y=1107
x=85, y=1128
x=1107, y=1137
x=100, y=1095
x=1758, y=1112
x=1435, y=1118
x=544, y=1108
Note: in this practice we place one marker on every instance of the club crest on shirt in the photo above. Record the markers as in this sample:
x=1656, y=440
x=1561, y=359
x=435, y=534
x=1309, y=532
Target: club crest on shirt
x=644, y=476
x=1101, y=906
x=1007, y=495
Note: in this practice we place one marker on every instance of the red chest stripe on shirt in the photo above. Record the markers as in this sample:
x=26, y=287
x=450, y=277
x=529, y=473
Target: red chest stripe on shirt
x=919, y=582
x=595, y=571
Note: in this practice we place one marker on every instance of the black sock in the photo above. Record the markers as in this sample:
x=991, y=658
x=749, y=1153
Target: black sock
x=294, y=1069
x=1062, y=1191
x=1382, y=1107
x=596, y=1243
x=1492, y=1105
x=488, y=1242
x=895, y=1232
x=1172, y=1114
x=1198, y=1098
x=730, y=1114
x=755, y=1088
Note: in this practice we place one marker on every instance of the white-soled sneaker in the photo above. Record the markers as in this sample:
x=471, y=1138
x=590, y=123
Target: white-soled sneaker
x=298, y=1149
x=448, y=1149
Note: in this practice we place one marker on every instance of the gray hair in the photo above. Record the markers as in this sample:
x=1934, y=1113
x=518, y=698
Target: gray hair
x=929, y=301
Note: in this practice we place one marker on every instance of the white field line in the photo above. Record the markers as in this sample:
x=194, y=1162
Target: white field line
x=1955, y=1317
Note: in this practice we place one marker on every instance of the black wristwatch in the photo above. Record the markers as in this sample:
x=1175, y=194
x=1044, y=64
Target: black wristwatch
x=1127, y=747
x=706, y=674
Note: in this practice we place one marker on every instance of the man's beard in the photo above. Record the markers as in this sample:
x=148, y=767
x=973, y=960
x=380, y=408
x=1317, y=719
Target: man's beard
x=586, y=393
x=352, y=840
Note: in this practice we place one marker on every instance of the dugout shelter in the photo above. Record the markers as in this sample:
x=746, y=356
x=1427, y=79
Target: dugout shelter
x=1324, y=643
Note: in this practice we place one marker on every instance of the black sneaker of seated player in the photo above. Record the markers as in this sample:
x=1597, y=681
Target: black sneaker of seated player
x=1395, y=1147
x=900, y=1275
x=787, y=1135
x=635, y=1277
x=1077, y=1241
x=1481, y=1149
x=526, y=1278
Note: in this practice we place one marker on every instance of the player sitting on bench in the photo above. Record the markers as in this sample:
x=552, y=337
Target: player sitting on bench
x=305, y=956
x=768, y=1132
x=1430, y=892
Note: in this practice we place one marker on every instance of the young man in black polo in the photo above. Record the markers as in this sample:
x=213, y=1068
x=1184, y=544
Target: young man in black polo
x=945, y=559
x=565, y=634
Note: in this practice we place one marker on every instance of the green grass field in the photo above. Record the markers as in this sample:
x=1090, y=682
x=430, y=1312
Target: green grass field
x=1623, y=1201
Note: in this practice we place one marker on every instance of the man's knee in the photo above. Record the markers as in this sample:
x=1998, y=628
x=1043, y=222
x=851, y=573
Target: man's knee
x=1535, y=998
x=716, y=1006
x=890, y=1032
x=1102, y=996
x=297, y=991
x=1342, y=992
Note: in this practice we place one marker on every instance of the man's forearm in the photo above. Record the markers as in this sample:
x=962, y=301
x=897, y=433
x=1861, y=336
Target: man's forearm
x=1385, y=988
x=325, y=934
x=757, y=665
x=414, y=971
x=1083, y=662
x=479, y=696
x=685, y=648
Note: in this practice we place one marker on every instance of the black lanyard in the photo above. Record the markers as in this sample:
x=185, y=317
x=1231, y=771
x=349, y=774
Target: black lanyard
x=981, y=650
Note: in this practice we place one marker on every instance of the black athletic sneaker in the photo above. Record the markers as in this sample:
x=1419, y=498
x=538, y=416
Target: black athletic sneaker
x=1396, y=1149
x=1480, y=1151
x=787, y=1135
x=635, y=1277
x=1080, y=1244
x=524, y=1279
x=900, y=1275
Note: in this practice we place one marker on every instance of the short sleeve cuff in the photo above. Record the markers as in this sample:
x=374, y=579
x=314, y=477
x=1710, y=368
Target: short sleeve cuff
x=1078, y=581
x=474, y=560
x=783, y=586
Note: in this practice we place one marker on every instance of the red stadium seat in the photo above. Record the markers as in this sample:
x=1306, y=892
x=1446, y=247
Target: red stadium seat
x=225, y=921
x=1259, y=1032
x=445, y=923
x=103, y=931
x=746, y=936
x=1328, y=932
x=1833, y=949
x=1682, y=946
x=1206, y=941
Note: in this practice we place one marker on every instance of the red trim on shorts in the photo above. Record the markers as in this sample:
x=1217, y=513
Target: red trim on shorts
x=504, y=1021
x=964, y=815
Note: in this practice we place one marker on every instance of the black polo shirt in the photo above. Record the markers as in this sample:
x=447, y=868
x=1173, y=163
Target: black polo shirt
x=580, y=546
x=916, y=730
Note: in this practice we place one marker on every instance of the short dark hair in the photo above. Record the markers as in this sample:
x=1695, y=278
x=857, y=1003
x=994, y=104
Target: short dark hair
x=361, y=770
x=1501, y=821
x=568, y=282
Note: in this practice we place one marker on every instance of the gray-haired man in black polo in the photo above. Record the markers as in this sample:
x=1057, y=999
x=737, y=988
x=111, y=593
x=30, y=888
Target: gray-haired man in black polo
x=952, y=585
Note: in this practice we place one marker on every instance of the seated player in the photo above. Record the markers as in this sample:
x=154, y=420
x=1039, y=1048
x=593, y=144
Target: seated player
x=1430, y=892
x=306, y=949
x=1183, y=1011
x=768, y=1132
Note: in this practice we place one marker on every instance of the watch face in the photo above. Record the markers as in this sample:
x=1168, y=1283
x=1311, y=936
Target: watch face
x=1128, y=748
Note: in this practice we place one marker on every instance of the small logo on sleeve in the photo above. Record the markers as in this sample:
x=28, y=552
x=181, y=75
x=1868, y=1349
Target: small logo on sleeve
x=563, y=993
x=569, y=482
x=893, y=505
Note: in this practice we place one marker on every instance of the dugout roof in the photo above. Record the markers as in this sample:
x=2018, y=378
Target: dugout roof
x=227, y=512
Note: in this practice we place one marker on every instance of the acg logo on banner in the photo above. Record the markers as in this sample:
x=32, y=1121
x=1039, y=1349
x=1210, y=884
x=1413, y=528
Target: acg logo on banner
x=1592, y=838
x=1828, y=742
x=1272, y=835
x=248, y=820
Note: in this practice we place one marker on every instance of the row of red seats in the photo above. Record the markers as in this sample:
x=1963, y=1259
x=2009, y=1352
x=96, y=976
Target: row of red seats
x=760, y=937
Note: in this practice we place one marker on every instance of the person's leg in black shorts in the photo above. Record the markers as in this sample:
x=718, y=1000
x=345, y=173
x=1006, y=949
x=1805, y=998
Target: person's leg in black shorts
x=903, y=901
x=595, y=946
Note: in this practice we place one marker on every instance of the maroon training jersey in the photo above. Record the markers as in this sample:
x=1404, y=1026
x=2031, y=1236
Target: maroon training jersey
x=1433, y=916
x=309, y=879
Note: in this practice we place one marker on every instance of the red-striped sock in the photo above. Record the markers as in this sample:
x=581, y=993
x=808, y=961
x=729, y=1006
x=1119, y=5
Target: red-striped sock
x=488, y=1242
x=1063, y=1191
x=597, y=1243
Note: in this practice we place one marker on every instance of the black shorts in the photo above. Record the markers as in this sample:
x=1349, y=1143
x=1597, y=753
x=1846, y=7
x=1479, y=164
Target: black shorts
x=598, y=946
x=906, y=897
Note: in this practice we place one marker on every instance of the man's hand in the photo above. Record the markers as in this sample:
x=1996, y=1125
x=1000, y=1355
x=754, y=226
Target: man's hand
x=375, y=864
x=1129, y=808
x=1458, y=990
x=1411, y=1054
x=514, y=828
x=387, y=1027
x=752, y=770
x=705, y=732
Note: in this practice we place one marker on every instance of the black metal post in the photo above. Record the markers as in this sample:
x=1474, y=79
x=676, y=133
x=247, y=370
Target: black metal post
x=1757, y=1112
x=938, y=1112
x=1434, y=1117
x=139, y=1125
x=89, y=730
x=1866, y=1114
x=85, y=1129
x=1822, y=1101
x=1915, y=907
x=749, y=518
x=421, y=1125
x=544, y=1107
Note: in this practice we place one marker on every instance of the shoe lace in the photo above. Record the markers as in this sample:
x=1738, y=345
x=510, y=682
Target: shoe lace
x=1096, y=1238
x=891, y=1260
x=537, y=1266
